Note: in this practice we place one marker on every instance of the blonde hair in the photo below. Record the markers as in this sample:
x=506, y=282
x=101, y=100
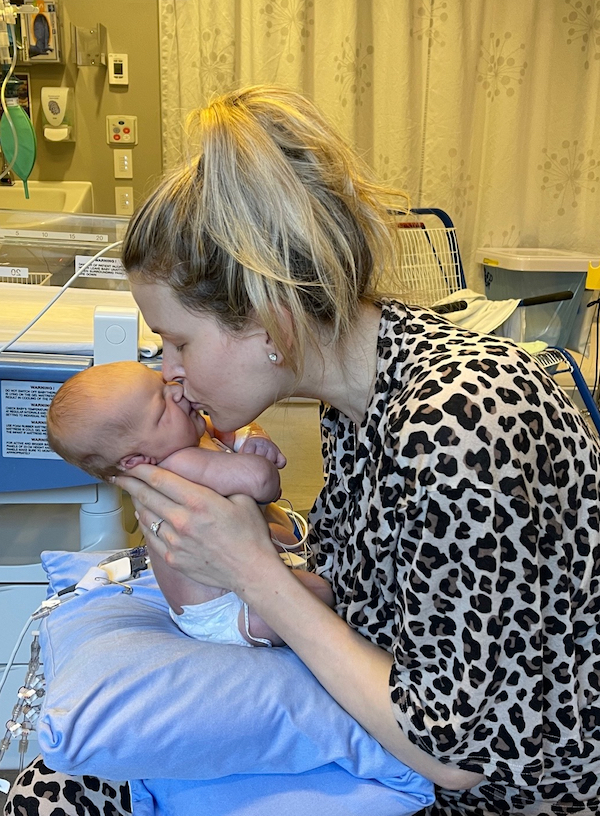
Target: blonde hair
x=277, y=216
x=85, y=415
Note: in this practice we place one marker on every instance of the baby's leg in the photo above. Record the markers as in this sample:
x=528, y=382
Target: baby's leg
x=253, y=629
x=316, y=584
x=274, y=514
x=281, y=526
x=180, y=590
x=283, y=538
x=256, y=627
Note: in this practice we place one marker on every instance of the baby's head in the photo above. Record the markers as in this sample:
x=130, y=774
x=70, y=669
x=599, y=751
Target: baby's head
x=109, y=418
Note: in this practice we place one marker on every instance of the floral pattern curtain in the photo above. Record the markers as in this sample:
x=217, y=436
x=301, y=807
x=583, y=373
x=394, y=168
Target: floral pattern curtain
x=489, y=109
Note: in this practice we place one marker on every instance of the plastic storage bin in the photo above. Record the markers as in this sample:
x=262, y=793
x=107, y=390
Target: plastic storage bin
x=521, y=272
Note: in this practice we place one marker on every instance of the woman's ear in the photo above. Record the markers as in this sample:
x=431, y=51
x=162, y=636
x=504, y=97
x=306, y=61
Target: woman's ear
x=128, y=462
x=286, y=327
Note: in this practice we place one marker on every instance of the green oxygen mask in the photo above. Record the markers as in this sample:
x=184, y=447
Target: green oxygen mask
x=17, y=136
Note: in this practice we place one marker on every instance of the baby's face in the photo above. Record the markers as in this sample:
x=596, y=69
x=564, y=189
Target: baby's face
x=166, y=420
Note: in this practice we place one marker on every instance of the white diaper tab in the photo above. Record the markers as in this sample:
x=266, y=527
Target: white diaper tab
x=292, y=560
x=215, y=621
x=295, y=556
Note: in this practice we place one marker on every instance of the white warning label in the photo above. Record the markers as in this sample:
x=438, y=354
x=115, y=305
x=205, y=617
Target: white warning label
x=101, y=267
x=23, y=406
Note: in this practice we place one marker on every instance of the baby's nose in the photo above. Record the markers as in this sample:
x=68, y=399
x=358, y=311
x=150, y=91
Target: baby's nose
x=174, y=389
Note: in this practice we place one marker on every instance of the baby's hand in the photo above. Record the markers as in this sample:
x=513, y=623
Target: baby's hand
x=253, y=439
x=260, y=446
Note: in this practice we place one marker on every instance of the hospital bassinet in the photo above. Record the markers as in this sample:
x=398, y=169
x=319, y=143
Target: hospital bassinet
x=44, y=503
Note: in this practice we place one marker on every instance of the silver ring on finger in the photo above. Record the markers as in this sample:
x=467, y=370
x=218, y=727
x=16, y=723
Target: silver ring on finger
x=155, y=526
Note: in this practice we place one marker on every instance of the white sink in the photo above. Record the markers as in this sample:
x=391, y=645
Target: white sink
x=49, y=196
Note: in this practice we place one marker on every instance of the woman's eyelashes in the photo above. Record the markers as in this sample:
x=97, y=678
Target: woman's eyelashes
x=173, y=343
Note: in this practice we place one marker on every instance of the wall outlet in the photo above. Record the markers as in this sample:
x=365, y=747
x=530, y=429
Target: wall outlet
x=123, y=163
x=124, y=200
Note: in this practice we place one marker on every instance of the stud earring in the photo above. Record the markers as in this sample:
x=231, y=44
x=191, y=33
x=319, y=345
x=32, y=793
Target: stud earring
x=273, y=357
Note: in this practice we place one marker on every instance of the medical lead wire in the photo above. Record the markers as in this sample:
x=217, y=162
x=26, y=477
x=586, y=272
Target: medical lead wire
x=25, y=710
x=115, y=569
x=5, y=110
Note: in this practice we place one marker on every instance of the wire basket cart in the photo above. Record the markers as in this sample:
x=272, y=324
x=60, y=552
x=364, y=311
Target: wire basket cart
x=432, y=269
x=560, y=361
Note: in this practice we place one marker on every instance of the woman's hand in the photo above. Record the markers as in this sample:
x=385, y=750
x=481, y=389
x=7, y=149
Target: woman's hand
x=214, y=540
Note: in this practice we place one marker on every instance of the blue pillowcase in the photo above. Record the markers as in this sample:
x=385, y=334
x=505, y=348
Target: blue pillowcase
x=129, y=696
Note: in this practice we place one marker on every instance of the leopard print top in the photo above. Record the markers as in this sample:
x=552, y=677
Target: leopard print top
x=460, y=529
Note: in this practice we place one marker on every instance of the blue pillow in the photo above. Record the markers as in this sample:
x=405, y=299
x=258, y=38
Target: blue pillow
x=327, y=791
x=129, y=696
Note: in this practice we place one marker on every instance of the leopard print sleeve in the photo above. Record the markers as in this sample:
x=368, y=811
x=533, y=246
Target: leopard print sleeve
x=470, y=676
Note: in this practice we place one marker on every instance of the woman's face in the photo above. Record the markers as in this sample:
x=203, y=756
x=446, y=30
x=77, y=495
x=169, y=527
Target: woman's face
x=227, y=375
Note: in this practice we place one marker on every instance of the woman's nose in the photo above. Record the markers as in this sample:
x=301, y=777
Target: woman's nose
x=171, y=370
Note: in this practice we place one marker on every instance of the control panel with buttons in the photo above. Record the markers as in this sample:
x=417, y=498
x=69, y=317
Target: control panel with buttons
x=121, y=129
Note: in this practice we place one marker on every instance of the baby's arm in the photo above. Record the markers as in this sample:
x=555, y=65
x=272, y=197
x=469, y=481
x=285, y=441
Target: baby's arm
x=227, y=473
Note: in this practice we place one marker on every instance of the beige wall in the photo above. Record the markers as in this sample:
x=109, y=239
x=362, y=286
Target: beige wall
x=132, y=27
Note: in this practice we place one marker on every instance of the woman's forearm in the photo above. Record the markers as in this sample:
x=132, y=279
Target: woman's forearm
x=353, y=670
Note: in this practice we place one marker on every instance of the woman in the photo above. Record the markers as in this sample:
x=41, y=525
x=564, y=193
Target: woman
x=459, y=522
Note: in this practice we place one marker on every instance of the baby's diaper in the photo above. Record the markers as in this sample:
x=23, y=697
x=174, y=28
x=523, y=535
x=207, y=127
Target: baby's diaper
x=215, y=621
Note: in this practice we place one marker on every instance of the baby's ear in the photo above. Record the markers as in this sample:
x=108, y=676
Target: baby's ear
x=128, y=462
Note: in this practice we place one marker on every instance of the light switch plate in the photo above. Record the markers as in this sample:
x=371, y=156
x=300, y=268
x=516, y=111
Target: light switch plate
x=123, y=163
x=124, y=200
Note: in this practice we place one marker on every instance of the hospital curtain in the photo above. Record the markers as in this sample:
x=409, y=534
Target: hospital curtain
x=489, y=109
